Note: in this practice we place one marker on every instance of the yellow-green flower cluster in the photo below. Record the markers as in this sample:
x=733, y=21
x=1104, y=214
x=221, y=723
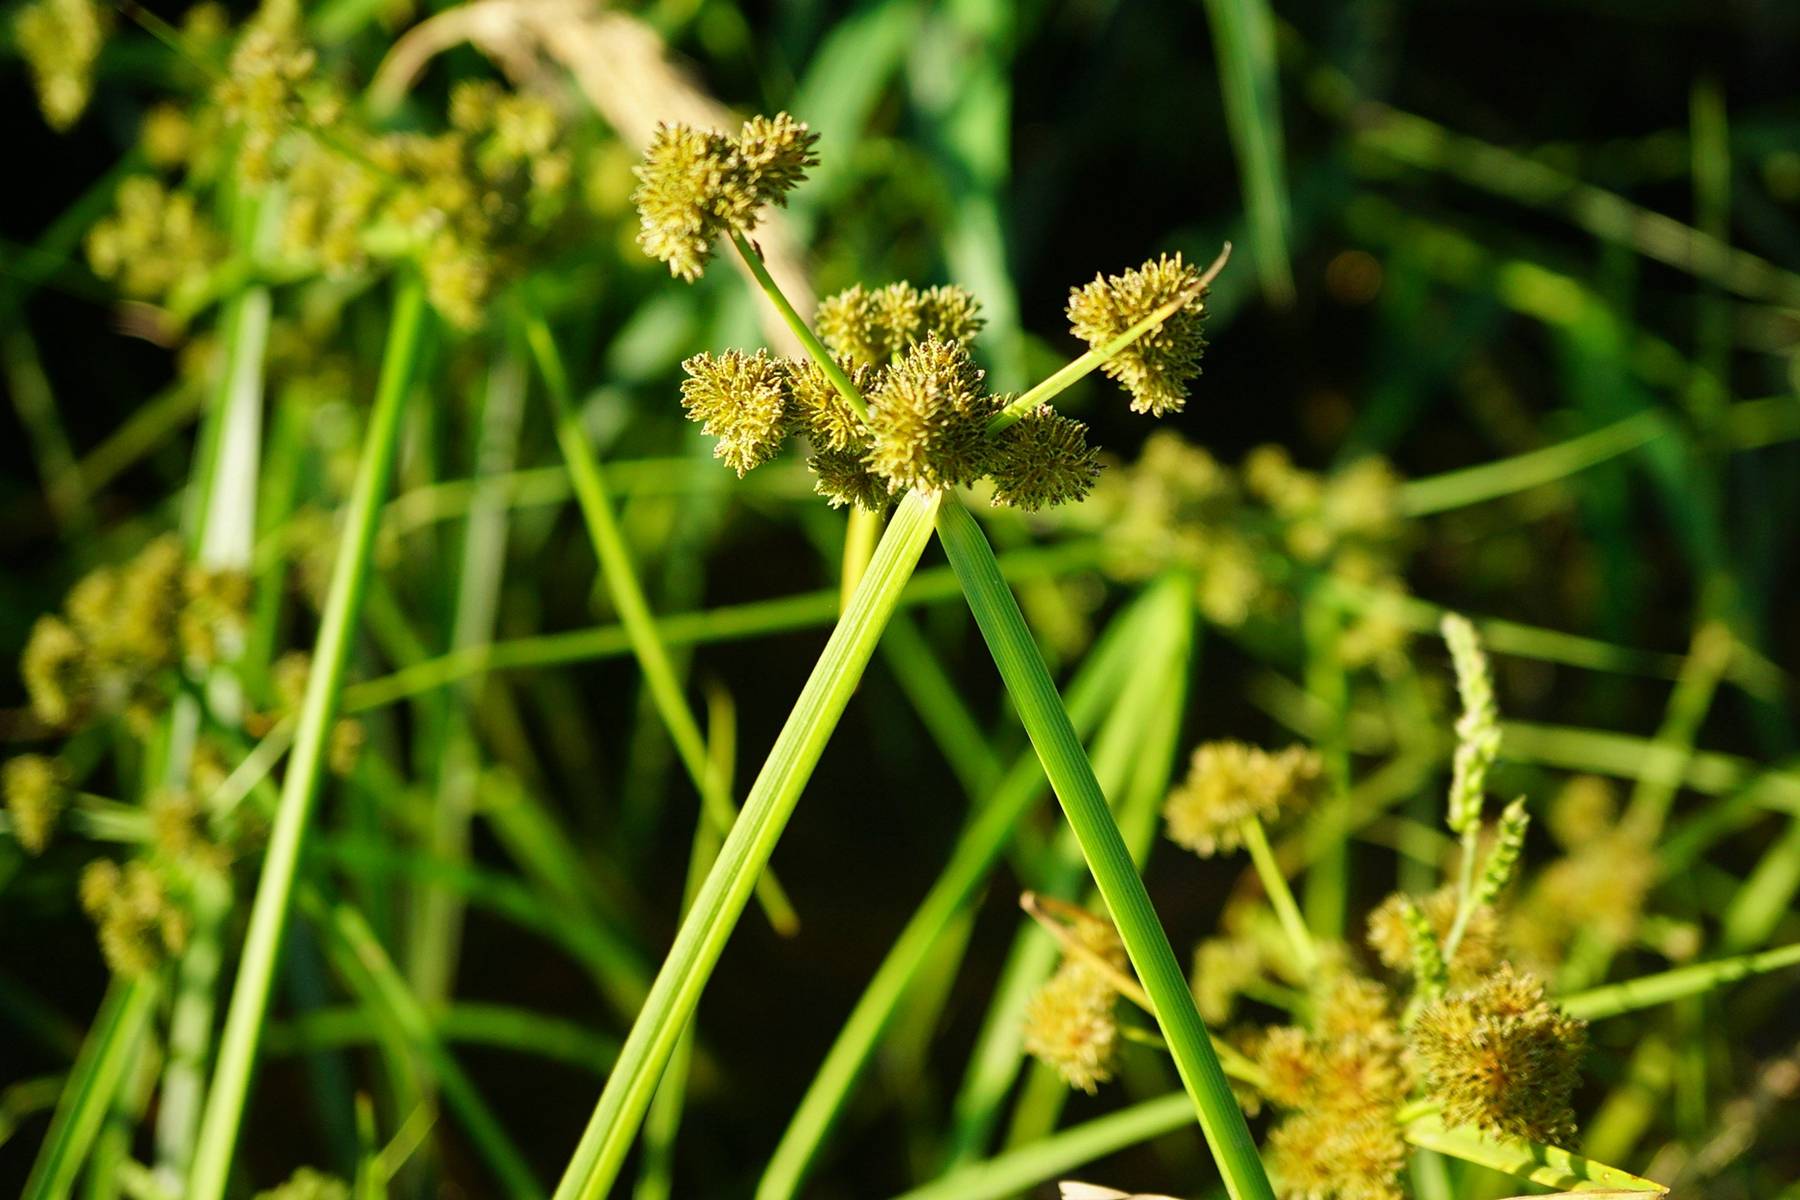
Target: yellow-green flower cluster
x=1230, y=783
x=1501, y=1057
x=1070, y=1022
x=156, y=244
x=696, y=185
x=1157, y=368
x=1599, y=884
x=120, y=628
x=60, y=41
x=37, y=789
x=268, y=90
x=1477, y=730
x=928, y=426
x=140, y=922
x=1343, y=1084
x=1238, y=532
x=873, y=328
x=308, y=1184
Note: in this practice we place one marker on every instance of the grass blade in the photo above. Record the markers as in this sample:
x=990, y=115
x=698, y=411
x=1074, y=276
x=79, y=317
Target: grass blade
x=771, y=801
x=1551, y=1166
x=1646, y=991
x=1041, y=711
x=268, y=915
x=89, y=1091
x=1244, y=47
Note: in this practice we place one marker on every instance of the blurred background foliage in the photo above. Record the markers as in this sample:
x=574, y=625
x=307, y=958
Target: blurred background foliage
x=1465, y=232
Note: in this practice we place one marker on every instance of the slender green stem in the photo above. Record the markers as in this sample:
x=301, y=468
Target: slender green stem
x=752, y=840
x=976, y=851
x=1281, y=897
x=269, y=912
x=635, y=617
x=1506, y=476
x=88, y=1095
x=1465, y=890
x=810, y=340
x=1028, y=681
x=1647, y=991
x=1094, y=359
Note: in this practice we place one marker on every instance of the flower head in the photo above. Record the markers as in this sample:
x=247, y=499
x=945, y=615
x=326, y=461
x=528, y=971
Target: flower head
x=871, y=327
x=1229, y=783
x=1043, y=458
x=820, y=411
x=695, y=185
x=1157, y=368
x=140, y=924
x=60, y=41
x=1391, y=938
x=929, y=417
x=36, y=789
x=741, y=399
x=1501, y=1057
x=1323, y=1156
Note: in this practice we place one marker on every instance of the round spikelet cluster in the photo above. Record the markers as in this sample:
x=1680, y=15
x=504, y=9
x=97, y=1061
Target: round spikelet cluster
x=741, y=399
x=1229, y=783
x=1501, y=1057
x=60, y=41
x=872, y=327
x=929, y=416
x=1343, y=1084
x=36, y=789
x=1070, y=1022
x=695, y=185
x=1041, y=459
x=307, y=1184
x=140, y=924
x=1157, y=368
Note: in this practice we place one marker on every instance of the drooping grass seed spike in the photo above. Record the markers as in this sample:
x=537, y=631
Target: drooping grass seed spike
x=1503, y=859
x=1157, y=368
x=1043, y=459
x=1431, y=976
x=1477, y=730
x=740, y=399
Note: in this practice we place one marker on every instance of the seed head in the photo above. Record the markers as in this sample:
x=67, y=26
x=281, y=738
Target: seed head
x=1041, y=459
x=57, y=673
x=1478, y=729
x=1229, y=783
x=1501, y=1057
x=1157, y=368
x=741, y=399
x=139, y=924
x=929, y=419
x=695, y=185
x=60, y=40
x=1223, y=968
x=817, y=409
x=843, y=477
x=1070, y=1025
x=1321, y=1156
x=871, y=327
x=307, y=1184
x=36, y=790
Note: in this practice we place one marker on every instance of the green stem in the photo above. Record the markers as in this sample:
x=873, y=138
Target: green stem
x=88, y=1095
x=1094, y=359
x=810, y=340
x=627, y=594
x=1281, y=897
x=1505, y=476
x=268, y=915
x=1028, y=681
x=1647, y=991
x=752, y=840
